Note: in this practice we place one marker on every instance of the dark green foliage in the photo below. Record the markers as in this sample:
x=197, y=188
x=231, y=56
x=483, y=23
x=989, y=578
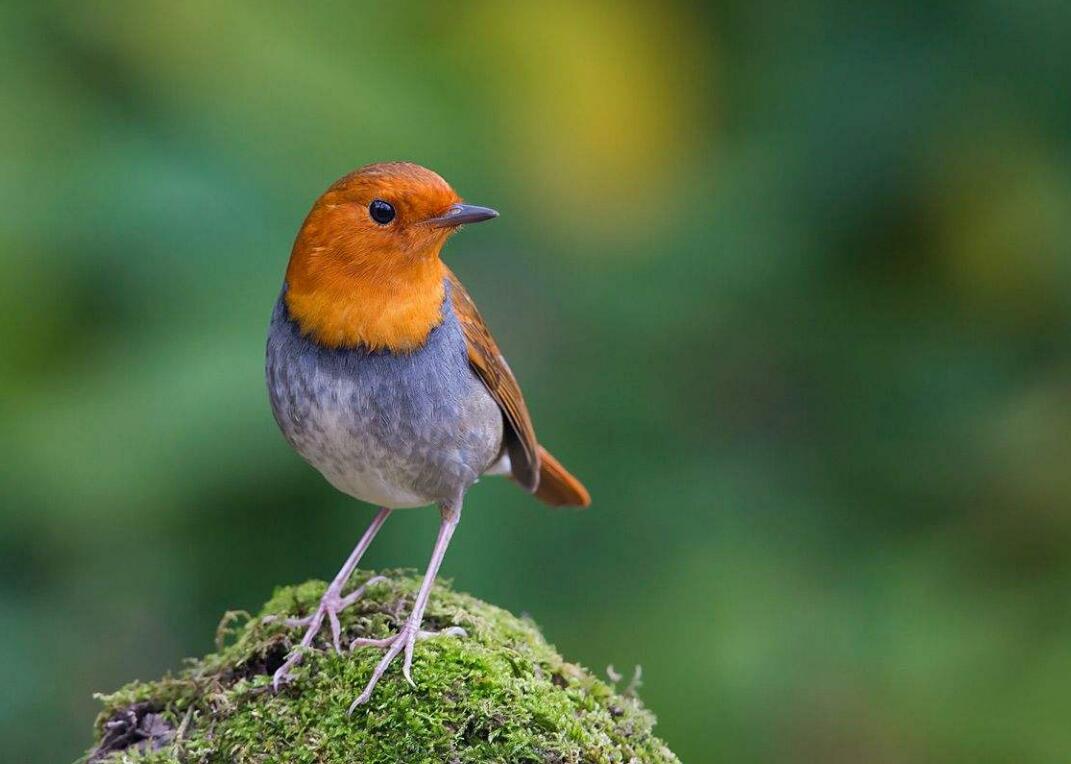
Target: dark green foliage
x=501, y=694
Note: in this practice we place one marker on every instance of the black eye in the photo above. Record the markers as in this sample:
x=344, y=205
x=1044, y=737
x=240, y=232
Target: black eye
x=381, y=211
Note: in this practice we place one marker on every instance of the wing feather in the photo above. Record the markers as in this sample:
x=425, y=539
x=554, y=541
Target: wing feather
x=487, y=361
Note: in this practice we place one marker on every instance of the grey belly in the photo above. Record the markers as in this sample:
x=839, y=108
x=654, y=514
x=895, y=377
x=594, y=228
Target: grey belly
x=396, y=431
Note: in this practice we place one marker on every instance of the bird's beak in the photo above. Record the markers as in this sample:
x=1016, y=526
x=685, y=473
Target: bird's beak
x=460, y=214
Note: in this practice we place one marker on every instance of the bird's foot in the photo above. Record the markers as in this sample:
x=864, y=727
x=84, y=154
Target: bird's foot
x=405, y=640
x=331, y=604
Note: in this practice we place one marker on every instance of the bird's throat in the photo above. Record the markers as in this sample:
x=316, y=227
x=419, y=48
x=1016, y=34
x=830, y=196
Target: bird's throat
x=393, y=311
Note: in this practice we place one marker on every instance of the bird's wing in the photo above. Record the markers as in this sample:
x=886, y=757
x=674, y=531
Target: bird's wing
x=487, y=361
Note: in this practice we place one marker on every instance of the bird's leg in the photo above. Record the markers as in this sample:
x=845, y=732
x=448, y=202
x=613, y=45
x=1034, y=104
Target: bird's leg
x=332, y=603
x=410, y=632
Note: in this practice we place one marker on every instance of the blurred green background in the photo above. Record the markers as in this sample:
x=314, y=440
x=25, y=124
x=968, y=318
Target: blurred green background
x=788, y=285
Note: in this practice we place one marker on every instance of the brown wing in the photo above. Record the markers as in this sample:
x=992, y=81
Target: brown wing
x=534, y=468
x=487, y=361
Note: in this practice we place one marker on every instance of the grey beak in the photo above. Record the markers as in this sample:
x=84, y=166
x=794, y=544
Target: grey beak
x=460, y=214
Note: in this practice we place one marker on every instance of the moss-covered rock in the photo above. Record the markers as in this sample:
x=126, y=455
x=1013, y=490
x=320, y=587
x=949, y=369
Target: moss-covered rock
x=500, y=695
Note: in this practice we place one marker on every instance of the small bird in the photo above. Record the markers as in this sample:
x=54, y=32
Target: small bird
x=384, y=377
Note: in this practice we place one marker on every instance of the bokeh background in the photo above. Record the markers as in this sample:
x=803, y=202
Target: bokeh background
x=788, y=285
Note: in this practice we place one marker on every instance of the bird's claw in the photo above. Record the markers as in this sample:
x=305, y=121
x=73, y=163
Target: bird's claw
x=405, y=640
x=331, y=604
x=283, y=674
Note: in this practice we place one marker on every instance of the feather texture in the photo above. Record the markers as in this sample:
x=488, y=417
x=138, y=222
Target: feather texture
x=532, y=466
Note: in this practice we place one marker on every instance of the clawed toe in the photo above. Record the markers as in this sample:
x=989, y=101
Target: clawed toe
x=452, y=631
x=357, y=593
x=331, y=604
x=365, y=642
x=405, y=640
x=283, y=674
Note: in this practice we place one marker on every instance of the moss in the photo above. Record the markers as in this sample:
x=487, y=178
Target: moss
x=500, y=695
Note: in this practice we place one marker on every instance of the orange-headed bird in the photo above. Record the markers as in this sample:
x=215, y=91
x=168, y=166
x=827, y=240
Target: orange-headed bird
x=384, y=377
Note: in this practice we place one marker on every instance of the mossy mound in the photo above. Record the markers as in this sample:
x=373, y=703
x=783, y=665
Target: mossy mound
x=500, y=695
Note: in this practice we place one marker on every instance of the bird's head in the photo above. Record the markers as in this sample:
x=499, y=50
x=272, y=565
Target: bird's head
x=365, y=268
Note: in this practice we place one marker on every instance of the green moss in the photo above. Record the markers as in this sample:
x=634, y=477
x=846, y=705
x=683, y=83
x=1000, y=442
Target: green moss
x=500, y=695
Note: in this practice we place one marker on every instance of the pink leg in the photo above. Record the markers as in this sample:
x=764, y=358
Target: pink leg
x=410, y=632
x=332, y=603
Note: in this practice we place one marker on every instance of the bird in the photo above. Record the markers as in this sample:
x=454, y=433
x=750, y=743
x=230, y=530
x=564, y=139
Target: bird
x=383, y=376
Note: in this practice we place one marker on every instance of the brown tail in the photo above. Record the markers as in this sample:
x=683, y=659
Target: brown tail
x=556, y=486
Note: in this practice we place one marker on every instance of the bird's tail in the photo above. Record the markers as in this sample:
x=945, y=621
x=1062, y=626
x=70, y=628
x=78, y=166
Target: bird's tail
x=556, y=486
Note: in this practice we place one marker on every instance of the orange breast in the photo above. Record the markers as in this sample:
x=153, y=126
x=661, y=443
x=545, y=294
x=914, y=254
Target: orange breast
x=355, y=282
x=395, y=313
x=340, y=298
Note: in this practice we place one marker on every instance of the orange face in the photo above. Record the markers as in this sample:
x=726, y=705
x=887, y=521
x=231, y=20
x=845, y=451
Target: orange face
x=365, y=267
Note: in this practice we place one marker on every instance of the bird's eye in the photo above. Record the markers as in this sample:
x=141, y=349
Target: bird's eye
x=382, y=212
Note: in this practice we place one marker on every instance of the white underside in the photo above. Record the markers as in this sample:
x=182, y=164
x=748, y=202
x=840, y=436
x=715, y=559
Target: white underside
x=373, y=487
x=360, y=478
x=376, y=486
x=501, y=467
